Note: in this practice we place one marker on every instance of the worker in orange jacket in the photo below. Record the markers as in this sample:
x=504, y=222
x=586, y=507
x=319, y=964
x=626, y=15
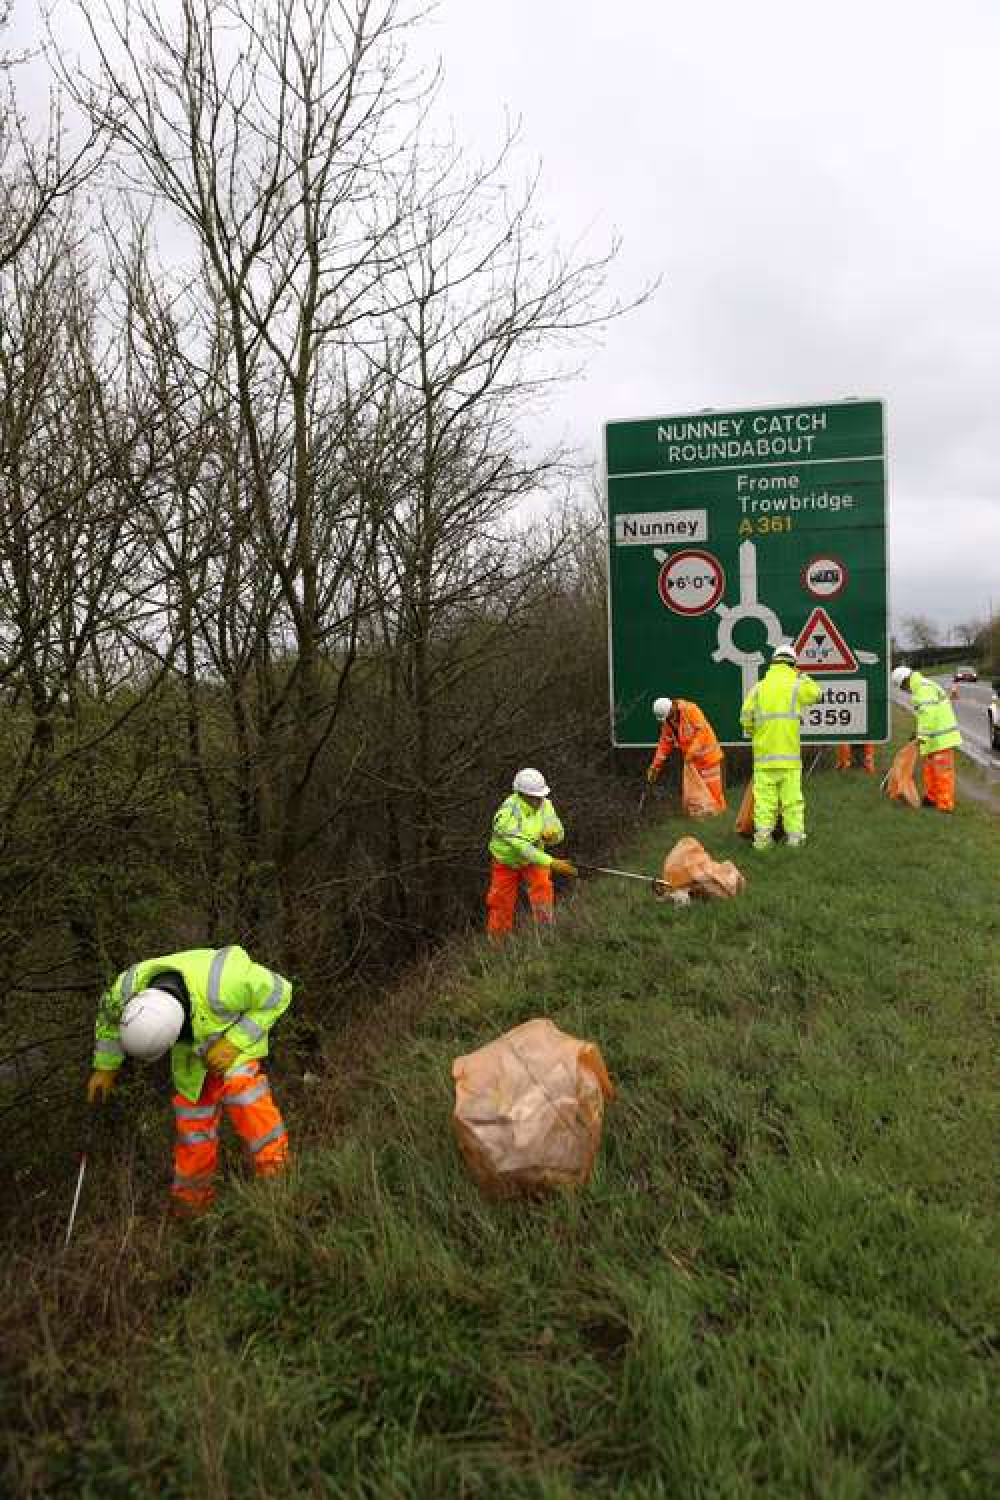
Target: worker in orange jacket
x=686, y=729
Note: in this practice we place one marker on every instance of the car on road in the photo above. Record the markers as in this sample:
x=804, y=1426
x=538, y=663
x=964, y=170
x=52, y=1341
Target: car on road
x=965, y=674
x=994, y=717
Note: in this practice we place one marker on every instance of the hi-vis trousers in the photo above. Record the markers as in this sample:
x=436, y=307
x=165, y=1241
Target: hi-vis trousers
x=845, y=753
x=245, y=1095
x=939, y=779
x=501, y=898
x=778, y=791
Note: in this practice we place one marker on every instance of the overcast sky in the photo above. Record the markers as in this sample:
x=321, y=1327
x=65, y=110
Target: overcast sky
x=817, y=186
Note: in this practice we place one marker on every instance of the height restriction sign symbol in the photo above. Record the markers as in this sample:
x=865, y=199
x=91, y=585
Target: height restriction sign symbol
x=820, y=647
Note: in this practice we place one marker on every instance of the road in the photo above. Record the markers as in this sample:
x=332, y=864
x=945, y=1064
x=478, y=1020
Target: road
x=970, y=710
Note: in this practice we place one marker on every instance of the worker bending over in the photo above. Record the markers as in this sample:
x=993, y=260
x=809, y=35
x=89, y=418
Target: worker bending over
x=938, y=735
x=845, y=756
x=212, y=1009
x=524, y=825
x=770, y=716
x=686, y=729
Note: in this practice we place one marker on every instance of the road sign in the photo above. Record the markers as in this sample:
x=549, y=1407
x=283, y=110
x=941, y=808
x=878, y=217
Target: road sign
x=731, y=531
x=820, y=647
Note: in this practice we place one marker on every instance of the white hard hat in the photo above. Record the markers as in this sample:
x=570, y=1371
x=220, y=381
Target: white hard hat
x=899, y=675
x=662, y=707
x=151, y=1023
x=784, y=652
x=530, y=783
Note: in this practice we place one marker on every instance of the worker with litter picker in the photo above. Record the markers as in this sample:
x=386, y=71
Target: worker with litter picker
x=686, y=729
x=212, y=1010
x=525, y=826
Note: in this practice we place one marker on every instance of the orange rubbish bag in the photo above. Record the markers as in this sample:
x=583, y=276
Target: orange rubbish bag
x=901, y=781
x=696, y=800
x=529, y=1108
x=744, y=818
x=690, y=867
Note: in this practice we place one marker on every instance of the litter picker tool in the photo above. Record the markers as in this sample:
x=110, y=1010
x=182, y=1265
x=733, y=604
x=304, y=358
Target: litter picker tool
x=88, y=1136
x=653, y=880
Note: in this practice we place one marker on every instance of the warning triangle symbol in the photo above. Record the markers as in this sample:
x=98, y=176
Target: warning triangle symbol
x=820, y=647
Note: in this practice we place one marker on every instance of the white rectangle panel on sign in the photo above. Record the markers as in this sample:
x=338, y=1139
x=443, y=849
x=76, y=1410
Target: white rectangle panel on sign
x=661, y=528
x=842, y=710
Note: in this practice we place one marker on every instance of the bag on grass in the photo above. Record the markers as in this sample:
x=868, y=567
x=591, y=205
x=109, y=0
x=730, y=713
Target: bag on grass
x=529, y=1108
x=901, y=782
x=690, y=867
x=744, y=818
x=696, y=800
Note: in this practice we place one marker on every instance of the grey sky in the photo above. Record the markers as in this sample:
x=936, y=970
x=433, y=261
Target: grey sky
x=817, y=186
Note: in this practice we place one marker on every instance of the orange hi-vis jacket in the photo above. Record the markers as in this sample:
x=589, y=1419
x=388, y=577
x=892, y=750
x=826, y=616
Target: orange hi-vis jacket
x=694, y=737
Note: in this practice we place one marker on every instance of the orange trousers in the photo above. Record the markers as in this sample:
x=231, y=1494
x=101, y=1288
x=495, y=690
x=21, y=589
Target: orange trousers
x=939, y=779
x=245, y=1094
x=845, y=755
x=711, y=774
x=501, y=898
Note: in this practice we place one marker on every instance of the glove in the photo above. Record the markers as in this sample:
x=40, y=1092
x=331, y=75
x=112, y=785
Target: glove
x=562, y=867
x=653, y=774
x=99, y=1085
x=549, y=836
x=221, y=1055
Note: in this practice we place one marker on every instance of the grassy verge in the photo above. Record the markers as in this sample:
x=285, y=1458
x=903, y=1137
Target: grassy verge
x=781, y=1280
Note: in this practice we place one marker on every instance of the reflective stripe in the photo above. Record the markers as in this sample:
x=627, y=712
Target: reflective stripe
x=198, y=1137
x=249, y=1096
x=245, y=1070
x=109, y=1049
x=932, y=734
x=215, y=982
x=128, y=983
x=795, y=760
x=265, y=1140
x=195, y=1111
x=764, y=718
x=193, y=1179
x=277, y=990
x=249, y=1029
x=795, y=696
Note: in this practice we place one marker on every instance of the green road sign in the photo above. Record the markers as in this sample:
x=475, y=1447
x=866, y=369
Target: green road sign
x=731, y=531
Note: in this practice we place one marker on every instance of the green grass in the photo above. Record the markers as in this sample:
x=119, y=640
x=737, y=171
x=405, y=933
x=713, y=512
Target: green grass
x=781, y=1280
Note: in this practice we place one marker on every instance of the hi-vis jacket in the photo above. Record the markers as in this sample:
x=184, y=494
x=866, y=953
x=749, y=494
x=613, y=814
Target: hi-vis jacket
x=519, y=831
x=770, y=715
x=230, y=994
x=694, y=737
x=937, y=727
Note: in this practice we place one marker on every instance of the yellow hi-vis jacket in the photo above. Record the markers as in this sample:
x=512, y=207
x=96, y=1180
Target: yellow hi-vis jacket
x=937, y=727
x=770, y=715
x=520, y=831
x=230, y=995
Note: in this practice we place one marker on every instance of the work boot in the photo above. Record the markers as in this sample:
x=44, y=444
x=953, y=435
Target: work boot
x=762, y=842
x=796, y=840
x=927, y=802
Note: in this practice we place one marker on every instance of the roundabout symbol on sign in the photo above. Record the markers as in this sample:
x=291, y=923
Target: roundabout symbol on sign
x=691, y=582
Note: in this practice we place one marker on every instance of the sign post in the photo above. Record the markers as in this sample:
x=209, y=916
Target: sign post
x=731, y=531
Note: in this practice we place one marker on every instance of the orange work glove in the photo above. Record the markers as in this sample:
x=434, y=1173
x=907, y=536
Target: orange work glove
x=562, y=867
x=99, y=1085
x=653, y=774
x=221, y=1055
